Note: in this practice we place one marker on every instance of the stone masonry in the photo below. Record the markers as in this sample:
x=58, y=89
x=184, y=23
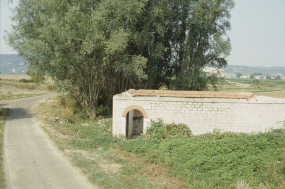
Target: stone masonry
x=257, y=114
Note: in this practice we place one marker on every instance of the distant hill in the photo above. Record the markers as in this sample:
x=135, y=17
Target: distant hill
x=232, y=69
x=11, y=62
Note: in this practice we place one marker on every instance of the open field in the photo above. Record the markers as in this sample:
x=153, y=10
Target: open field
x=11, y=87
x=270, y=88
x=14, y=77
x=19, y=77
x=4, y=112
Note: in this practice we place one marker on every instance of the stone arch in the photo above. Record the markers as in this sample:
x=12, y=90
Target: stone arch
x=137, y=108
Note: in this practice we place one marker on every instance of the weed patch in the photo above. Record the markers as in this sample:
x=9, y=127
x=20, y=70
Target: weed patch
x=218, y=160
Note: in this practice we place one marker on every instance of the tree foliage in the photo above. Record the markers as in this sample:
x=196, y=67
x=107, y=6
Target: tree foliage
x=37, y=76
x=278, y=77
x=238, y=74
x=95, y=49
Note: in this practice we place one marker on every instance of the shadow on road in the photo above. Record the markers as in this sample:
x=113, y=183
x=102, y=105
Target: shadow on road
x=20, y=113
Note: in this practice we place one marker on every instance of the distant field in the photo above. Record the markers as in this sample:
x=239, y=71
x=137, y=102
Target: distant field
x=18, y=77
x=14, y=77
x=253, y=85
x=12, y=88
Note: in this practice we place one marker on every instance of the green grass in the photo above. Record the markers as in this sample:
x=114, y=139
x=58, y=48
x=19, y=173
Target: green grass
x=218, y=160
x=249, y=85
x=4, y=113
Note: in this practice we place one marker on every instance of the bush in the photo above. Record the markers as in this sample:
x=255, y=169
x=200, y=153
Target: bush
x=103, y=111
x=49, y=88
x=160, y=130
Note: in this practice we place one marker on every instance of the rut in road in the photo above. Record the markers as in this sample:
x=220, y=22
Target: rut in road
x=30, y=159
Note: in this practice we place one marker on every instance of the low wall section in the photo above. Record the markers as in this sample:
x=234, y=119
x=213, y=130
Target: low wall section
x=202, y=115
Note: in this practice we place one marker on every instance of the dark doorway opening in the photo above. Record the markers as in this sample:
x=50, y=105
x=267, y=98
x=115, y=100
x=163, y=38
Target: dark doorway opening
x=134, y=124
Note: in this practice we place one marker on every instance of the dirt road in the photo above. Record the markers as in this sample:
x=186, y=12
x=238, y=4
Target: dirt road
x=30, y=159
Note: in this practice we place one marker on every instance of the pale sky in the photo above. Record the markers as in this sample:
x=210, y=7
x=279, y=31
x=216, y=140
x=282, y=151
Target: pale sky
x=257, y=34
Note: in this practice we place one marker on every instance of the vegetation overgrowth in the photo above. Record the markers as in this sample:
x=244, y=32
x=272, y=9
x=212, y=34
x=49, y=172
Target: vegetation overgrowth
x=211, y=160
x=218, y=160
x=4, y=113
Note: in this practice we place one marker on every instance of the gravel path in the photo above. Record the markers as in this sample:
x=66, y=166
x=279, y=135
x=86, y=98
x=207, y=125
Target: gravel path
x=30, y=159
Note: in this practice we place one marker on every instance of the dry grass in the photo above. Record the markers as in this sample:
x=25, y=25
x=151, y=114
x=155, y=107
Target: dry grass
x=27, y=77
x=11, y=88
x=244, y=185
x=275, y=94
x=14, y=77
x=154, y=172
x=108, y=168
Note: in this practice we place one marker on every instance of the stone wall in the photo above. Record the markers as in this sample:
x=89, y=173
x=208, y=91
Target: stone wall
x=202, y=115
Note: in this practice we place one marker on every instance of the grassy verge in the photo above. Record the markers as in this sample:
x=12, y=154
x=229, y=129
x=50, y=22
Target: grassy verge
x=167, y=156
x=4, y=113
x=91, y=147
x=16, y=96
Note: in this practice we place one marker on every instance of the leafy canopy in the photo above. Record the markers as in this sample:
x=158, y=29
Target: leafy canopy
x=95, y=49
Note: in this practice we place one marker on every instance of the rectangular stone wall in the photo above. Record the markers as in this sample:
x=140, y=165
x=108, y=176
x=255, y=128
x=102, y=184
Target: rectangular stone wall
x=203, y=114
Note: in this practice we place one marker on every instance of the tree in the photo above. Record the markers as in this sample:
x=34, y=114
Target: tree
x=76, y=45
x=199, y=39
x=251, y=76
x=99, y=48
x=238, y=74
x=37, y=76
x=278, y=77
x=257, y=73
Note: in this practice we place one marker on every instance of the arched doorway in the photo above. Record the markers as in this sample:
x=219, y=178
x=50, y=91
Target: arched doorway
x=135, y=116
x=134, y=124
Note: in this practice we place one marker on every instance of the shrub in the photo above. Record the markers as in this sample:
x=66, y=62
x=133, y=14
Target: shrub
x=103, y=111
x=161, y=130
x=49, y=88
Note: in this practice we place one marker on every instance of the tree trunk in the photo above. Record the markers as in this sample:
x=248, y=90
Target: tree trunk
x=92, y=109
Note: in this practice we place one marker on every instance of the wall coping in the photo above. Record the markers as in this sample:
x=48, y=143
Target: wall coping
x=256, y=100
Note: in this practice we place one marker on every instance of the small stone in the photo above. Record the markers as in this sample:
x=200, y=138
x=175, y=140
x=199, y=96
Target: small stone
x=56, y=119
